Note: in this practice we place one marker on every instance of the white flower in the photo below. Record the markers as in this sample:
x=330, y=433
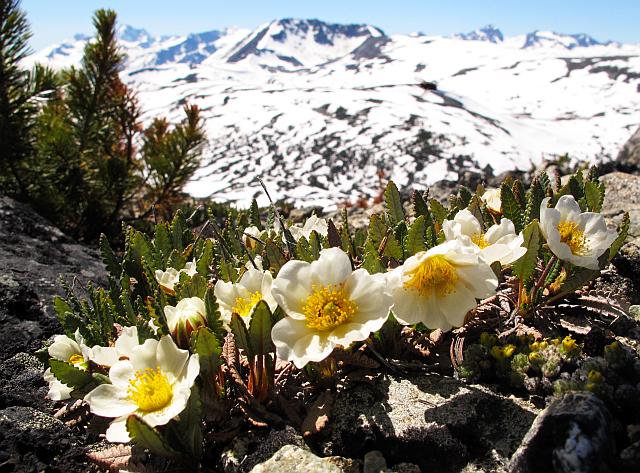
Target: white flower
x=251, y=235
x=188, y=315
x=241, y=297
x=575, y=236
x=124, y=345
x=70, y=351
x=327, y=304
x=169, y=278
x=154, y=383
x=492, y=197
x=499, y=243
x=313, y=223
x=439, y=286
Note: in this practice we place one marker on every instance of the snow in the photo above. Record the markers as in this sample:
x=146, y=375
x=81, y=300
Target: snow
x=290, y=103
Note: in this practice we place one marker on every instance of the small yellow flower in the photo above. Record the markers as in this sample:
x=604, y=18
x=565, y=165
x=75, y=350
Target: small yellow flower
x=569, y=345
x=535, y=357
x=509, y=350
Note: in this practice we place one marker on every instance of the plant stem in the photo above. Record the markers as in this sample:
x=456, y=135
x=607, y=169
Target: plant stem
x=542, y=277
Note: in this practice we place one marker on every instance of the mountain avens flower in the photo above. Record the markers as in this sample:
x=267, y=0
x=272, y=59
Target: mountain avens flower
x=327, y=304
x=154, y=383
x=499, y=243
x=312, y=223
x=241, y=297
x=124, y=345
x=188, y=315
x=493, y=199
x=575, y=236
x=439, y=286
x=71, y=351
x=169, y=278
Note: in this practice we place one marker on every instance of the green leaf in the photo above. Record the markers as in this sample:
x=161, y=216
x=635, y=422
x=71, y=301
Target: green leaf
x=303, y=249
x=208, y=347
x=203, y=265
x=438, y=211
x=241, y=334
x=254, y=215
x=315, y=244
x=465, y=196
x=577, y=279
x=68, y=374
x=178, y=230
x=372, y=262
x=525, y=266
x=594, y=195
x=535, y=196
x=415, y=240
x=420, y=206
x=62, y=308
x=162, y=242
x=333, y=235
x=623, y=231
x=109, y=258
x=393, y=204
x=148, y=437
x=275, y=256
x=189, y=426
x=212, y=313
x=510, y=207
x=392, y=248
x=260, y=329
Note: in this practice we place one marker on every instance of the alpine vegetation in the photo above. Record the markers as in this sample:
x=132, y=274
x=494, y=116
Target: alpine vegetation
x=204, y=330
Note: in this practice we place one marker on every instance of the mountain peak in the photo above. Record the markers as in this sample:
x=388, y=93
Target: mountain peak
x=568, y=41
x=133, y=35
x=487, y=33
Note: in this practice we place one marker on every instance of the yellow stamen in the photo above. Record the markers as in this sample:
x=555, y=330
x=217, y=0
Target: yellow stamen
x=573, y=237
x=328, y=307
x=76, y=359
x=244, y=305
x=150, y=390
x=479, y=240
x=434, y=273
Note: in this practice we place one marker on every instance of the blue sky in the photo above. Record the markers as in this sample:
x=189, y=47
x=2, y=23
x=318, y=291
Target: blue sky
x=53, y=21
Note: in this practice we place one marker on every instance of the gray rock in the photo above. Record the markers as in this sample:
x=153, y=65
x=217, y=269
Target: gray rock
x=629, y=157
x=33, y=255
x=437, y=423
x=21, y=382
x=374, y=462
x=630, y=457
x=292, y=459
x=572, y=435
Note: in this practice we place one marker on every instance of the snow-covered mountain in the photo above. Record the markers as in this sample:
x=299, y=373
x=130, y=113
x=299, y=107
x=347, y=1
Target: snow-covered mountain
x=321, y=110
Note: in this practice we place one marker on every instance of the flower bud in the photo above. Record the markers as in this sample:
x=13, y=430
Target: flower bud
x=188, y=315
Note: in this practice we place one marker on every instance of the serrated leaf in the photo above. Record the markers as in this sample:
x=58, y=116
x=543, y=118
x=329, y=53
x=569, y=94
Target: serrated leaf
x=333, y=235
x=372, y=262
x=392, y=248
x=109, y=258
x=526, y=265
x=189, y=426
x=415, y=240
x=213, y=316
x=162, y=241
x=254, y=215
x=208, y=347
x=303, y=249
x=260, y=329
x=147, y=437
x=203, y=265
x=594, y=196
x=623, y=231
x=577, y=279
x=68, y=374
x=510, y=207
x=438, y=211
x=241, y=335
x=275, y=256
x=465, y=196
x=393, y=204
x=535, y=196
x=62, y=308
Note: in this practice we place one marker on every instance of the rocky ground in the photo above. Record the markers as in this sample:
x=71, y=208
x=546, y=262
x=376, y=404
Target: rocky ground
x=409, y=424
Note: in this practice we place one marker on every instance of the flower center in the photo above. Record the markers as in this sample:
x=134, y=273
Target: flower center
x=434, y=273
x=76, y=359
x=244, y=305
x=573, y=237
x=150, y=390
x=479, y=240
x=328, y=307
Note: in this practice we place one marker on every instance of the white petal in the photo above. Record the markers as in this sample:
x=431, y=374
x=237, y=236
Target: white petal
x=333, y=267
x=292, y=287
x=451, y=229
x=175, y=407
x=568, y=208
x=456, y=305
x=348, y=333
x=58, y=391
x=172, y=316
x=105, y=356
x=409, y=307
x=496, y=232
x=144, y=356
x=171, y=359
x=121, y=373
x=117, y=431
x=63, y=348
x=479, y=279
x=252, y=279
x=193, y=370
x=469, y=225
x=108, y=400
x=127, y=340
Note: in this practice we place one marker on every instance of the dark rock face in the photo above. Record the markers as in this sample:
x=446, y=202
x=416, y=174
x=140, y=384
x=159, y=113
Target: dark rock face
x=573, y=435
x=33, y=255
